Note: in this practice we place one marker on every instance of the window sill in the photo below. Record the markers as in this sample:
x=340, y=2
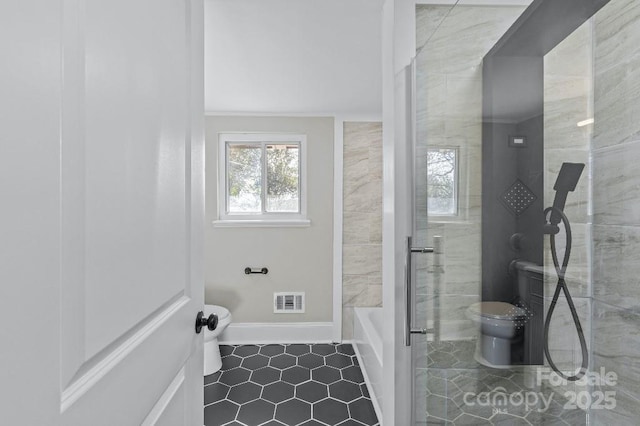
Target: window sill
x=450, y=222
x=262, y=223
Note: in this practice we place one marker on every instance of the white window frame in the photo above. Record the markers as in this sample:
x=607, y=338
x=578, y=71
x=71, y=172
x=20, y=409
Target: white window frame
x=264, y=218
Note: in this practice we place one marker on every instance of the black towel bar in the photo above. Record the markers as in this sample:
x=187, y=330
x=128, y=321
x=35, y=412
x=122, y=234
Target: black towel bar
x=263, y=271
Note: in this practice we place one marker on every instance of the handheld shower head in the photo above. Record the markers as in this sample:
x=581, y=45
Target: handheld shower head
x=568, y=177
x=566, y=182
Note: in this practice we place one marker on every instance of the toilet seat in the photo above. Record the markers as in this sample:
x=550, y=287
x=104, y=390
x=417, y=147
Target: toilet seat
x=497, y=311
x=220, y=311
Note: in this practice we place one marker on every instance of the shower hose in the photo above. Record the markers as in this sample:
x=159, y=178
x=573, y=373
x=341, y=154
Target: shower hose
x=562, y=285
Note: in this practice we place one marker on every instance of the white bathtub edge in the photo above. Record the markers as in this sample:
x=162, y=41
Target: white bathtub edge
x=367, y=381
x=367, y=343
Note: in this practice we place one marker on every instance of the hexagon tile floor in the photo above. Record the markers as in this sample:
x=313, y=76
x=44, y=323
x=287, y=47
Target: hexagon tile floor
x=291, y=385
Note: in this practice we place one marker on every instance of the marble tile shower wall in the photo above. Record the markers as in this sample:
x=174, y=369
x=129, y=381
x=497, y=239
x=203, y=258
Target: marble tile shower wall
x=568, y=100
x=616, y=205
x=449, y=115
x=362, y=220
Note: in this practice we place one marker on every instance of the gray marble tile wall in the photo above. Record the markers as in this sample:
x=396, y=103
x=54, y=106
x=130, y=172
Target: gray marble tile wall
x=616, y=206
x=362, y=220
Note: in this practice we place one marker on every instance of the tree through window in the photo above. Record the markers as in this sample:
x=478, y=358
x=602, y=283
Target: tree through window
x=442, y=185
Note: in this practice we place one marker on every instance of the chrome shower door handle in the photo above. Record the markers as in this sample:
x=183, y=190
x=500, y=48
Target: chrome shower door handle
x=408, y=327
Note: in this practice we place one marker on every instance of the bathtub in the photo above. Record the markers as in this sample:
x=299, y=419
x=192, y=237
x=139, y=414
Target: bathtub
x=367, y=339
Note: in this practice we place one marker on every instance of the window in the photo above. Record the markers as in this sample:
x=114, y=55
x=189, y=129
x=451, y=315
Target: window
x=262, y=179
x=442, y=181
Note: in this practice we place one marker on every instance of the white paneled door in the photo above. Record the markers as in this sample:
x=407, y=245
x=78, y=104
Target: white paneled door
x=101, y=212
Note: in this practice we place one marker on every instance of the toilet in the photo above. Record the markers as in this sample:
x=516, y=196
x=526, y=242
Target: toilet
x=212, y=358
x=498, y=322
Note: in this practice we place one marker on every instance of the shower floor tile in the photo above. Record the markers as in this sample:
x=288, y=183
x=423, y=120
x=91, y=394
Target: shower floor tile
x=457, y=387
x=288, y=385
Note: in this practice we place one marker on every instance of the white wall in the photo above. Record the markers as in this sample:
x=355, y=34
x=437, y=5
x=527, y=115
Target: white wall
x=293, y=56
x=299, y=259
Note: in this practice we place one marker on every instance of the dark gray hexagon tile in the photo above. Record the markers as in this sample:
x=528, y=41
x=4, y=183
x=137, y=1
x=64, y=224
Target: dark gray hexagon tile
x=256, y=412
x=310, y=360
x=272, y=350
x=266, y=375
x=345, y=391
x=278, y=392
x=323, y=349
x=312, y=423
x=273, y=423
x=330, y=411
x=230, y=362
x=326, y=375
x=293, y=412
x=311, y=391
x=235, y=376
x=244, y=392
x=350, y=422
x=226, y=350
x=246, y=350
x=362, y=411
x=365, y=390
x=215, y=392
x=353, y=374
x=254, y=362
x=297, y=349
x=212, y=378
x=339, y=361
x=345, y=349
x=282, y=361
x=220, y=413
x=296, y=374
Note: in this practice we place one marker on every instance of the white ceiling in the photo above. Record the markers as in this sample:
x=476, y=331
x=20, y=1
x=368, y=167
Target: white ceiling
x=293, y=56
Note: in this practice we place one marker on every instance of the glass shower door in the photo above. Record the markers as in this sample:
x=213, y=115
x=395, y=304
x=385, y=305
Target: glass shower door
x=523, y=113
x=448, y=146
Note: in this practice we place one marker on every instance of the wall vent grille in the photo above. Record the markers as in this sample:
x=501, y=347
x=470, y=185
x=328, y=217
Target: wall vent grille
x=288, y=303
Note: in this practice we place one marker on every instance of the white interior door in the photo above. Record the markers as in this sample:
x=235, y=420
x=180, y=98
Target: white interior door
x=101, y=185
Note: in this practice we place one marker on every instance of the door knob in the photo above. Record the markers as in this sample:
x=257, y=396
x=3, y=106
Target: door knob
x=201, y=321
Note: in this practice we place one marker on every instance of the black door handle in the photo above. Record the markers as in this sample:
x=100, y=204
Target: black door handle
x=201, y=321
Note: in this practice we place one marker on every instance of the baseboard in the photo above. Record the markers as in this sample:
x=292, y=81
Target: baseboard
x=259, y=333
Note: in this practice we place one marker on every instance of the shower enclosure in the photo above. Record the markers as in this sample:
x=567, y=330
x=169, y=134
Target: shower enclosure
x=506, y=96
